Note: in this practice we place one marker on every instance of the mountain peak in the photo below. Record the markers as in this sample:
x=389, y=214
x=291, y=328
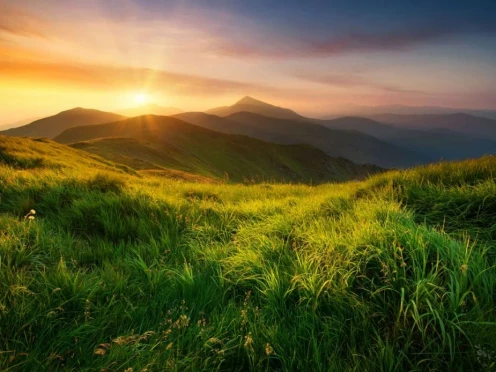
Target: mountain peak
x=250, y=104
x=78, y=111
x=251, y=101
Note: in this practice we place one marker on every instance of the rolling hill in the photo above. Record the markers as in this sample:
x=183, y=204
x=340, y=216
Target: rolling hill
x=353, y=145
x=52, y=126
x=150, y=109
x=159, y=142
x=253, y=105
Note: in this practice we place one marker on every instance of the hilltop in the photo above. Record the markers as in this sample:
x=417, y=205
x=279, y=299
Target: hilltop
x=253, y=105
x=115, y=267
x=52, y=126
x=158, y=142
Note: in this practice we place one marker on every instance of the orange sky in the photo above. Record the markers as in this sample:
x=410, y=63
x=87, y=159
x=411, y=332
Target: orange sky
x=58, y=55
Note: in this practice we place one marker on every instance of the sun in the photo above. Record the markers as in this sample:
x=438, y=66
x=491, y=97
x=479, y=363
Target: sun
x=141, y=98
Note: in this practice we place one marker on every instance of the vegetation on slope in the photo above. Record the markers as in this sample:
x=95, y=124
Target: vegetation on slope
x=158, y=142
x=111, y=271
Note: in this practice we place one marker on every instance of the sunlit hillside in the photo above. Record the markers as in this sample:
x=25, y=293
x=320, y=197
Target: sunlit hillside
x=106, y=268
x=158, y=142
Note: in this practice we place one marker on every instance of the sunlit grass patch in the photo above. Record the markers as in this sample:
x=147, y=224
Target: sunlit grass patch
x=116, y=271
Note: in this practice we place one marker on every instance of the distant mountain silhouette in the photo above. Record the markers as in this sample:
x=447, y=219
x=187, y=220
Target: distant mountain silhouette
x=18, y=123
x=52, y=126
x=437, y=143
x=150, y=109
x=250, y=104
x=370, y=111
x=443, y=145
x=353, y=145
x=160, y=142
x=430, y=143
x=364, y=125
x=460, y=122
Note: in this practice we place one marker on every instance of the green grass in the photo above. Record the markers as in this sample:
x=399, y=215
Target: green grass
x=120, y=270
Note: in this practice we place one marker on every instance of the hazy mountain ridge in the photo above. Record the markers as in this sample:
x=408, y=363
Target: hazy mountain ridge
x=437, y=143
x=52, y=126
x=418, y=133
x=459, y=122
x=370, y=111
x=18, y=123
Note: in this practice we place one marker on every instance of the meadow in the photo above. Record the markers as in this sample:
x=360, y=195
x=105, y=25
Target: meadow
x=104, y=268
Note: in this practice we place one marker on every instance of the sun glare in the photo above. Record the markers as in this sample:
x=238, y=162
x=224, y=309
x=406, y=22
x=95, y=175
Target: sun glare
x=141, y=98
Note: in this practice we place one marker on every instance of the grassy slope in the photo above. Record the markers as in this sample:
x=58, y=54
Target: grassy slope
x=155, y=142
x=117, y=271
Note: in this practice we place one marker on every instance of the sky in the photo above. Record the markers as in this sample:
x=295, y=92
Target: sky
x=311, y=56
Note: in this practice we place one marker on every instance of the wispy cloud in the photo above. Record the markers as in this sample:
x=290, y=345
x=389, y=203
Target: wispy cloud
x=350, y=79
x=278, y=46
x=86, y=76
x=18, y=22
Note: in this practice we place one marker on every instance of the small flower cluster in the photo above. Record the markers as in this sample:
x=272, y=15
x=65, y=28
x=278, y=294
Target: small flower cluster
x=30, y=215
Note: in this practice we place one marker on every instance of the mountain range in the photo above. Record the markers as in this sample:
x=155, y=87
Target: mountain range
x=369, y=111
x=431, y=139
x=353, y=145
x=459, y=122
x=186, y=142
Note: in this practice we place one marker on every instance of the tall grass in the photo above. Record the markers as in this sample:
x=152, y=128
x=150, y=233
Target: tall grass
x=117, y=271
